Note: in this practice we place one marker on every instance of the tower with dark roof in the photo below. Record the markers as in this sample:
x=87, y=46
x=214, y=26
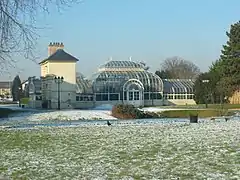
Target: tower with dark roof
x=59, y=63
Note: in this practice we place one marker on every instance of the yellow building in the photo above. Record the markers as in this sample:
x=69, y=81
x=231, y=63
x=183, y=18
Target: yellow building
x=235, y=98
x=5, y=88
x=58, y=64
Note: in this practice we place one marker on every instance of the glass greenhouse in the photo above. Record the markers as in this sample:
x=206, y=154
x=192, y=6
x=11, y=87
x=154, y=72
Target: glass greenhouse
x=131, y=82
x=178, y=88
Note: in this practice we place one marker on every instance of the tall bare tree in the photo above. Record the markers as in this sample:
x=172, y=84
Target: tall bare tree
x=18, y=26
x=178, y=68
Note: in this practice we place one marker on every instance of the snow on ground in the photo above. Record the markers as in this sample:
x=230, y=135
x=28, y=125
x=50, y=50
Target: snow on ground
x=167, y=151
x=62, y=115
x=71, y=115
x=101, y=112
x=158, y=109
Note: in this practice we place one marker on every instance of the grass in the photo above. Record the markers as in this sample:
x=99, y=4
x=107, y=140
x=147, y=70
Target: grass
x=187, y=151
x=210, y=106
x=202, y=113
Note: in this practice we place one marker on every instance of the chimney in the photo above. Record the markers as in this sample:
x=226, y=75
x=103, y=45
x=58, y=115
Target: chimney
x=54, y=46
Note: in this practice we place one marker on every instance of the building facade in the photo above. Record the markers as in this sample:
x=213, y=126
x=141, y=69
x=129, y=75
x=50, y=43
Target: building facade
x=5, y=89
x=235, y=98
x=115, y=82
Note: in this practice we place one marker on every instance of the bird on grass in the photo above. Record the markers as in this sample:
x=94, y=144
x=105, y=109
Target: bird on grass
x=108, y=123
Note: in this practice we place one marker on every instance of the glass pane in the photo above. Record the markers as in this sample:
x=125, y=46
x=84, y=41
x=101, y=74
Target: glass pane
x=113, y=96
x=130, y=96
x=136, y=95
x=146, y=96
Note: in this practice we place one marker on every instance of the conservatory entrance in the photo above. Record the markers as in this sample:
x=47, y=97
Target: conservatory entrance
x=133, y=89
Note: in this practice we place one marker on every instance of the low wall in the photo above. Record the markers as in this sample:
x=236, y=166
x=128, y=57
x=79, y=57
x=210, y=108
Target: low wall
x=63, y=105
x=154, y=102
x=83, y=104
x=35, y=104
x=92, y=104
x=170, y=102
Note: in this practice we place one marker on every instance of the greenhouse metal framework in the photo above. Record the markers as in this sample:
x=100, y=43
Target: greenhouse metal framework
x=130, y=82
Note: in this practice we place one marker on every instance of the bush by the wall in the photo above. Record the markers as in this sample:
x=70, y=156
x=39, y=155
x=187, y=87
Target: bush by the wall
x=24, y=100
x=125, y=111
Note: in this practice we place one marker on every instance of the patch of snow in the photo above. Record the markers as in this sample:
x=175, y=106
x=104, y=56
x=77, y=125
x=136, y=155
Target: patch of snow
x=42, y=115
x=71, y=115
x=158, y=109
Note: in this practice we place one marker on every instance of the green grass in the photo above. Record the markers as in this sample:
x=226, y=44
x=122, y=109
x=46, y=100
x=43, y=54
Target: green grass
x=210, y=106
x=200, y=151
x=202, y=113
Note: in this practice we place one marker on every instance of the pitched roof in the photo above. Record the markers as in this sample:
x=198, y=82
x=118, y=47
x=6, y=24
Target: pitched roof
x=60, y=55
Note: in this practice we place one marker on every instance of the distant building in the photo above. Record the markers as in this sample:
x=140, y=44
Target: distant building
x=235, y=98
x=58, y=64
x=5, y=88
x=115, y=82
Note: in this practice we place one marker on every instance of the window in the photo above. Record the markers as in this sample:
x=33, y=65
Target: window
x=136, y=95
x=102, y=97
x=113, y=97
x=159, y=96
x=125, y=95
x=146, y=96
x=189, y=96
x=84, y=98
x=130, y=96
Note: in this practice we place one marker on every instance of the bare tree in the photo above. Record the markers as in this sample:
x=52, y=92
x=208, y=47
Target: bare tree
x=18, y=30
x=178, y=68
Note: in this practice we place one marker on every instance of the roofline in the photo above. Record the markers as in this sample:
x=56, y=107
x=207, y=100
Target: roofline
x=49, y=60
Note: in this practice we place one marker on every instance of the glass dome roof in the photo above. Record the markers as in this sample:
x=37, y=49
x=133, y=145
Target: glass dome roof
x=122, y=64
x=178, y=86
x=116, y=73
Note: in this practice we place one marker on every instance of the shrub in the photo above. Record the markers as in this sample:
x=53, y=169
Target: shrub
x=126, y=111
x=24, y=100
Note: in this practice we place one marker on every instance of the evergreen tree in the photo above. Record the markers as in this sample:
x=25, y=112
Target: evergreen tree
x=16, y=89
x=202, y=92
x=214, y=77
x=229, y=63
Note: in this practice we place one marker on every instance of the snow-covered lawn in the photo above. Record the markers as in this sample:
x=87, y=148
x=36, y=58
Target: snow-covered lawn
x=36, y=117
x=101, y=112
x=164, y=151
x=158, y=109
x=71, y=115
